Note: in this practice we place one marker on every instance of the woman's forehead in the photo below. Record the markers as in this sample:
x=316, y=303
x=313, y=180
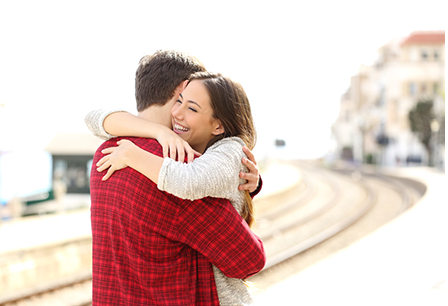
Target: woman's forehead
x=196, y=92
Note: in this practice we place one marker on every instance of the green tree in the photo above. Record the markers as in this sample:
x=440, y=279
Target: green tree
x=420, y=118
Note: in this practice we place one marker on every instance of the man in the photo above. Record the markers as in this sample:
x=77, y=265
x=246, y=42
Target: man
x=152, y=248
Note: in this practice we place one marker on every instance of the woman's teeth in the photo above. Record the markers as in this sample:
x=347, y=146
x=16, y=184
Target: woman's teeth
x=180, y=128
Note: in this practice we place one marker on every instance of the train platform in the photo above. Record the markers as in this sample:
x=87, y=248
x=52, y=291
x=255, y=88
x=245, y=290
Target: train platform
x=402, y=263
x=44, y=251
x=72, y=222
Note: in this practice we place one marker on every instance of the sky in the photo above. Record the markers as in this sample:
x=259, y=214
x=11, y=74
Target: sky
x=61, y=59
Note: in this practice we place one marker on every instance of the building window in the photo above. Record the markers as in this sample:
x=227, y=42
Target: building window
x=423, y=88
x=74, y=171
x=436, y=88
x=436, y=55
x=412, y=89
x=347, y=116
x=382, y=96
x=424, y=55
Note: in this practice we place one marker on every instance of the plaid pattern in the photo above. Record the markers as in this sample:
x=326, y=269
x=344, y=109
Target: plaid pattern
x=152, y=248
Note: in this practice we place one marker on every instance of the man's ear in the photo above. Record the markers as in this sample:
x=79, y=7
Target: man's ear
x=219, y=128
x=181, y=87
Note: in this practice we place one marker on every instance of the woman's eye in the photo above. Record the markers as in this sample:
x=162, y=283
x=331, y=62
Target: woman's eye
x=179, y=101
x=193, y=109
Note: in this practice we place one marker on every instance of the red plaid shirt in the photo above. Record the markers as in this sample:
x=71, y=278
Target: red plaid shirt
x=152, y=248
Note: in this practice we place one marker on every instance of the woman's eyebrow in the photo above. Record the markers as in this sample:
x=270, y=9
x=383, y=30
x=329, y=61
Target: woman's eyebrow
x=180, y=95
x=191, y=101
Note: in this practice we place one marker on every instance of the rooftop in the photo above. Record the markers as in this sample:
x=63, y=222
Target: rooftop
x=424, y=38
x=73, y=144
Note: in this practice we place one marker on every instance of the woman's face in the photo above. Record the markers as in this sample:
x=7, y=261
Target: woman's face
x=192, y=116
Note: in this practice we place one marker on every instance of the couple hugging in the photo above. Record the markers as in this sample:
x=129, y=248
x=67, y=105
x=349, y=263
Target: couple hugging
x=172, y=226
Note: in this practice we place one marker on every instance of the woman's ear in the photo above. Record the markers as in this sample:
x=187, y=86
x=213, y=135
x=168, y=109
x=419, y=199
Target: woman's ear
x=219, y=128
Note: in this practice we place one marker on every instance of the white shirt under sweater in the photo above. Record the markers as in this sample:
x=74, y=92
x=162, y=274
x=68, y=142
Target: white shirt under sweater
x=214, y=174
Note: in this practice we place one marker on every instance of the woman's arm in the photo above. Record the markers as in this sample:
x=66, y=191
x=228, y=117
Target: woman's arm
x=127, y=154
x=213, y=174
x=106, y=124
x=94, y=121
x=126, y=124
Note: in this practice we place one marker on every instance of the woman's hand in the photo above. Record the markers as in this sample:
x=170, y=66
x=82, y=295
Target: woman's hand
x=175, y=147
x=253, y=176
x=115, y=158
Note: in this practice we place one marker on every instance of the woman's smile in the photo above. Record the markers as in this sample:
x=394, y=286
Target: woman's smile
x=179, y=129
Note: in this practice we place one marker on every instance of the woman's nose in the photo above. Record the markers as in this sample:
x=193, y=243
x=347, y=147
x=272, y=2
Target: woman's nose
x=176, y=112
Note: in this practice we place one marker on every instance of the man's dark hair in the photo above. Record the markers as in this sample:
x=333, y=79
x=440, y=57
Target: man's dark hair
x=159, y=74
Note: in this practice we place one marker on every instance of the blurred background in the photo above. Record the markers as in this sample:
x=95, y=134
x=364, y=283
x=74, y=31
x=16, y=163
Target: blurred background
x=358, y=82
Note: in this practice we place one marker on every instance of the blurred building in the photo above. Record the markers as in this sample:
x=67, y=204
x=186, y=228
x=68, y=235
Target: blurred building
x=72, y=156
x=373, y=125
x=35, y=176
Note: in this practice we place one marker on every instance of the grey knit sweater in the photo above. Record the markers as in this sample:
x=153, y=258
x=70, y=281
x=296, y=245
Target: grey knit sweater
x=213, y=174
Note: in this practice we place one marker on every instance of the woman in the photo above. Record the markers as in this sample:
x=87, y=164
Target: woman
x=213, y=115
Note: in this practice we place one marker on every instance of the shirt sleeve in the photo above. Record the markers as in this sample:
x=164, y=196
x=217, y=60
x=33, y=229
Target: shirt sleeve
x=215, y=229
x=214, y=174
x=95, y=120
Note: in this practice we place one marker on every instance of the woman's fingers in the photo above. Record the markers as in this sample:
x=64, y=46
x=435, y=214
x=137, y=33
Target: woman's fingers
x=251, y=166
x=165, y=150
x=107, y=150
x=180, y=152
x=103, y=164
x=190, y=152
x=109, y=173
x=190, y=155
x=251, y=184
x=113, y=158
x=249, y=155
x=252, y=177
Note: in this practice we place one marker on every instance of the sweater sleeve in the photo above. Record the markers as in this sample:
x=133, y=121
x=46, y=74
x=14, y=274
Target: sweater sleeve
x=95, y=120
x=214, y=174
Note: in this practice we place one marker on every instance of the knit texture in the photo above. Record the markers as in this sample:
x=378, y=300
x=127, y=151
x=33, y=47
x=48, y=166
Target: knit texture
x=95, y=119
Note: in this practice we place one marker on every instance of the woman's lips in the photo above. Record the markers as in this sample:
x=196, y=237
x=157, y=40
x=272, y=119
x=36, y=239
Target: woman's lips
x=179, y=128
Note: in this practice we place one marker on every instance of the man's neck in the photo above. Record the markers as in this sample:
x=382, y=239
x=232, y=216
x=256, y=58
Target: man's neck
x=157, y=114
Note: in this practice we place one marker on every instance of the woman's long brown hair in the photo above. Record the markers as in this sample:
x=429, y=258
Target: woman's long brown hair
x=231, y=106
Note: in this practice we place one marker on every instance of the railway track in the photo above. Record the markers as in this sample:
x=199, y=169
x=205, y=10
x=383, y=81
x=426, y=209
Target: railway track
x=68, y=293
x=367, y=201
x=295, y=226
x=337, y=201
